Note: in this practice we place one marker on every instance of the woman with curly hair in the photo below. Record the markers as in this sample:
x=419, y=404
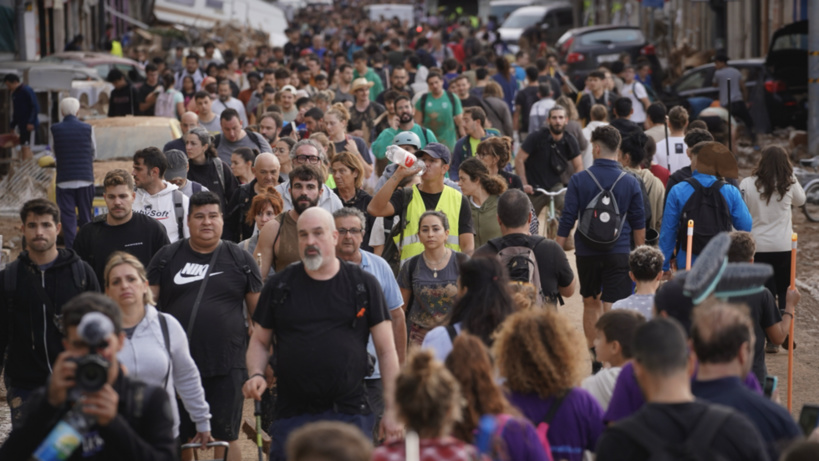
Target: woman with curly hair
x=482, y=304
x=483, y=191
x=428, y=402
x=469, y=362
x=541, y=355
x=770, y=193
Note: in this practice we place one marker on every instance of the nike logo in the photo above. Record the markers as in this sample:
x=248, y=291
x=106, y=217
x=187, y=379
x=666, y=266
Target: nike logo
x=192, y=273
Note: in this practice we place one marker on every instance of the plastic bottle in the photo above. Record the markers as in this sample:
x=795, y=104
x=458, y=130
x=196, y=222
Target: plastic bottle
x=399, y=156
x=66, y=436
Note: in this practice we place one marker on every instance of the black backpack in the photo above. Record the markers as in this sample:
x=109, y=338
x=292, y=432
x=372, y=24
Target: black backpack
x=600, y=222
x=709, y=210
x=696, y=447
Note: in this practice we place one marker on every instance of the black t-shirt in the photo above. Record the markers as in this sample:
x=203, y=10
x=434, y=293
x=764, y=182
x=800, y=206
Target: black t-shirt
x=764, y=314
x=219, y=338
x=540, y=146
x=588, y=100
x=552, y=263
x=207, y=176
x=123, y=102
x=471, y=101
x=430, y=202
x=625, y=126
x=141, y=236
x=512, y=180
x=360, y=201
x=737, y=438
x=557, y=89
x=523, y=104
x=142, y=94
x=320, y=343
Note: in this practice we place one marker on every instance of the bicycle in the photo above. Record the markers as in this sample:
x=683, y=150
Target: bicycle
x=552, y=219
x=808, y=177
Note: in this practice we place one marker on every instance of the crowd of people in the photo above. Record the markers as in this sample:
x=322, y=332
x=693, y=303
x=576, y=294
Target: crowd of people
x=275, y=252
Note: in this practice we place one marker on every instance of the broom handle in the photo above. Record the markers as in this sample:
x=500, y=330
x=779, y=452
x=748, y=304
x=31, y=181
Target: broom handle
x=689, y=245
x=793, y=320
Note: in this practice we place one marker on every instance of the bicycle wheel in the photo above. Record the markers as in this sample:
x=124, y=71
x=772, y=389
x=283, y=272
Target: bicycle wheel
x=811, y=207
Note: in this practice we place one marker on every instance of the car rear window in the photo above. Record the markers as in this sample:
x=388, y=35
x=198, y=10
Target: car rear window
x=790, y=42
x=610, y=36
x=520, y=20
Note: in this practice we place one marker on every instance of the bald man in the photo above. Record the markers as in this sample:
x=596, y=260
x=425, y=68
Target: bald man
x=321, y=369
x=189, y=120
x=266, y=175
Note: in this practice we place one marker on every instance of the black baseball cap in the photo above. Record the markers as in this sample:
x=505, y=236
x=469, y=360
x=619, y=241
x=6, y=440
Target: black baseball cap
x=436, y=150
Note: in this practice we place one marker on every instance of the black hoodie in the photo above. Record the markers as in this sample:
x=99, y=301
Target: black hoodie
x=27, y=324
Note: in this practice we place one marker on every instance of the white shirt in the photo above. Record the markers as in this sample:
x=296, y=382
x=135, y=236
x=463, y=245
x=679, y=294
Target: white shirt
x=636, y=91
x=587, y=156
x=678, y=158
x=772, y=221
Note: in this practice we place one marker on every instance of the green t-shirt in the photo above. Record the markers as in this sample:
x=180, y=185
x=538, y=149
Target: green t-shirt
x=371, y=76
x=439, y=116
x=384, y=139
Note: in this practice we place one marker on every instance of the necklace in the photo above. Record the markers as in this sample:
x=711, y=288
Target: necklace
x=434, y=266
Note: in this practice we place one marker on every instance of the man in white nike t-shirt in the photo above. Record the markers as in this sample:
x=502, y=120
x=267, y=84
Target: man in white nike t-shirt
x=203, y=281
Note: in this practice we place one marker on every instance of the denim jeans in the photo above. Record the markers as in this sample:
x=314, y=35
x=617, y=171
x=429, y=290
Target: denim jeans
x=281, y=428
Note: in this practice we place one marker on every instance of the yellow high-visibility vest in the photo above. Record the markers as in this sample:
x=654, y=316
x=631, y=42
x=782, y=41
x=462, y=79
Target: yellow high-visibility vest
x=449, y=203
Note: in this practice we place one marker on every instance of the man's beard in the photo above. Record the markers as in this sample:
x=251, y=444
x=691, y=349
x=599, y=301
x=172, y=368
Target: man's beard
x=312, y=262
x=225, y=98
x=297, y=205
x=556, y=130
x=405, y=118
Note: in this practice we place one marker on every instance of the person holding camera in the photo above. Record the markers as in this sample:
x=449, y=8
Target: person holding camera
x=33, y=290
x=113, y=416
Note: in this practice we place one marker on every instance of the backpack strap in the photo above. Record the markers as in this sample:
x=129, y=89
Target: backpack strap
x=413, y=264
x=255, y=137
x=166, y=338
x=707, y=427
x=238, y=256
x=179, y=211
x=79, y=274
x=402, y=223
x=550, y=415
x=424, y=104
x=595, y=179
x=196, y=187
x=220, y=172
x=451, y=101
x=450, y=329
x=10, y=283
x=216, y=140
x=362, y=296
x=641, y=434
x=171, y=249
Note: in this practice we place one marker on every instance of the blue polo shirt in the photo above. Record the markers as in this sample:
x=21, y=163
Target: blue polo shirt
x=582, y=190
x=380, y=269
x=773, y=422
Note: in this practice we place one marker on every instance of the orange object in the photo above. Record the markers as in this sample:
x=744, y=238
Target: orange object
x=689, y=245
x=360, y=313
x=793, y=321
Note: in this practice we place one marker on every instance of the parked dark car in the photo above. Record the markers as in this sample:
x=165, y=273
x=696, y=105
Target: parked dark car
x=695, y=90
x=584, y=49
x=787, y=79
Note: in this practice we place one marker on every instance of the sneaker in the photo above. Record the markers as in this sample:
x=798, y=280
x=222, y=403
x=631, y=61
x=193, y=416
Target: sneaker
x=771, y=348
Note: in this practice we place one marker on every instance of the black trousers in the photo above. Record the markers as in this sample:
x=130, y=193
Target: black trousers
x=781, y=278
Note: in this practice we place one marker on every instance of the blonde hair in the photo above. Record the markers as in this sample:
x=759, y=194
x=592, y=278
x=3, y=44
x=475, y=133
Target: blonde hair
x=539, y=352
x=493, y=89
x=427, y=396
x=354, y=163
x=329, y=147
x=340, y=112
x=119, y=258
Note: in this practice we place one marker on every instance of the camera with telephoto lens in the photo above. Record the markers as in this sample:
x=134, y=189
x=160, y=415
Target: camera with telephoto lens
x=92, y=368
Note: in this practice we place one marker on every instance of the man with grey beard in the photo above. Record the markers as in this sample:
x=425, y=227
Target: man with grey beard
x=321, y=311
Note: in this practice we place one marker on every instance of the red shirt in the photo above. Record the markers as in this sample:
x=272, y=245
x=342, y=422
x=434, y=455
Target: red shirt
x=442, y=449
x=660, y=172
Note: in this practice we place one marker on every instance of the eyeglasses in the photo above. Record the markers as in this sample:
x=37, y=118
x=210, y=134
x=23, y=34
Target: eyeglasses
x=353, y=231
x=307, y=159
